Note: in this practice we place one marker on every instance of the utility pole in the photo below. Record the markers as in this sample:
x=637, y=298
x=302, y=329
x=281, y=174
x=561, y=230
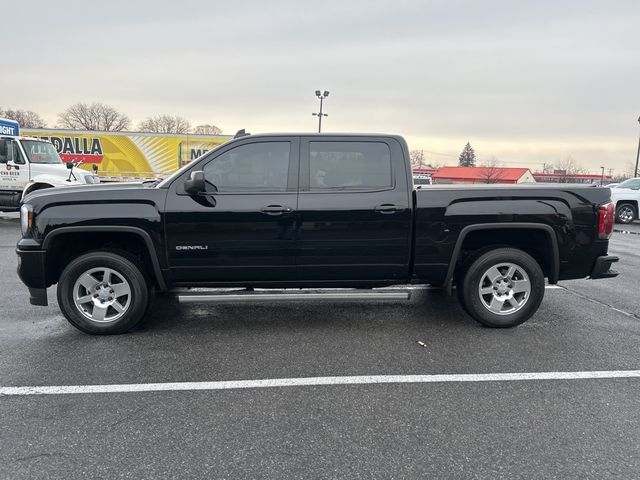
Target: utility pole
x=602, y=177
x=637, y=155
x=321, y=96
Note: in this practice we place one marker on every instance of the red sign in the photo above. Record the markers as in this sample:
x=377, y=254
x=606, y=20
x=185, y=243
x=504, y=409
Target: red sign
x=81, y=157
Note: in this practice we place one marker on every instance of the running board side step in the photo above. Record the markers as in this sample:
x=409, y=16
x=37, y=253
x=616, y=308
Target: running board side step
x=259, y=297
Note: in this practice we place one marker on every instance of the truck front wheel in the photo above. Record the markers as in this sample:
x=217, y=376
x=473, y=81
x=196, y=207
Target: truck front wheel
x=102, y=293
x=502, y=288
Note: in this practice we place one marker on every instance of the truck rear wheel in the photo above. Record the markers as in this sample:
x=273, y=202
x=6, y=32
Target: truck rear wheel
x=103, y=293
x=502, y=288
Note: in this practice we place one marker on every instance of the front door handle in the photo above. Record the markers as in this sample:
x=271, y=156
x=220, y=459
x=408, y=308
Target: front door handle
x=388, y=208
x=275, y=209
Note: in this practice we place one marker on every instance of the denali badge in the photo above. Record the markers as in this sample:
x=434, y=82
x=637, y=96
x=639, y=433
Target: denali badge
x=192, y=247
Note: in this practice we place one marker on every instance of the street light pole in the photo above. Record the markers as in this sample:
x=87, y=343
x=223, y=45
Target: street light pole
x=635, y=174
x=321, y=96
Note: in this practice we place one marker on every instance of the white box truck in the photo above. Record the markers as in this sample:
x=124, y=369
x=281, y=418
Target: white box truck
x=28, y=164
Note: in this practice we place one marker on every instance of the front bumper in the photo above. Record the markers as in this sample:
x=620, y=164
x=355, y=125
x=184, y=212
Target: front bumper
x=602, y=267
x=32, y=272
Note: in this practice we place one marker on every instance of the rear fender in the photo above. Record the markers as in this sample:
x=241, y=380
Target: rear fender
x=551, y=235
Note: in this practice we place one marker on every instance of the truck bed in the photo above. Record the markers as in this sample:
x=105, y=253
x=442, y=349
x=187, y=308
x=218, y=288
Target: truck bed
x=544, y=216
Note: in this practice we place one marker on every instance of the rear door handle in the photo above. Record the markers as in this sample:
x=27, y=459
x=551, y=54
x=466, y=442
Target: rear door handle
x=275, y=209
x=388, y=208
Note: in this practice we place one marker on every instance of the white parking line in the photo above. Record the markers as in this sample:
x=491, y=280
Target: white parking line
x=315, y=381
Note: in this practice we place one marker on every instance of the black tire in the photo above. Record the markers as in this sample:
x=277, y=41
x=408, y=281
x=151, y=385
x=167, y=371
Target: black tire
x=474, y=304
x=626, y=213
x=128, y=271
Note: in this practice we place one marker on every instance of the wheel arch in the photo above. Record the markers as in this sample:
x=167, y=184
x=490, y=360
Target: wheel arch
x=33, y=186
x=150, y=252
x=550, y=235
x=633, y=203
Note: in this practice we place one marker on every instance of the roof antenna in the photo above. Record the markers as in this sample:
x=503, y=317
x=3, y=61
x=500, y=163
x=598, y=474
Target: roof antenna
x=241, y=133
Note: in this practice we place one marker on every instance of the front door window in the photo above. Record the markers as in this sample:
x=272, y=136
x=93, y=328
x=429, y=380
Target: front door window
x=252, y=168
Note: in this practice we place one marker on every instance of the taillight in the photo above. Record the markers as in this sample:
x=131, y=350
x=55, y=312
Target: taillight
x=605, y=221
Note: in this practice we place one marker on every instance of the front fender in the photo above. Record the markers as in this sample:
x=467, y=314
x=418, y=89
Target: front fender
x=46, y=181
x=54, y=181
x=32, y=186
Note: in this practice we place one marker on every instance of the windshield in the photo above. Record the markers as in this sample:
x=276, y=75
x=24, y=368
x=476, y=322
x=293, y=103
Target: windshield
x=41, y=152
x=631, y=183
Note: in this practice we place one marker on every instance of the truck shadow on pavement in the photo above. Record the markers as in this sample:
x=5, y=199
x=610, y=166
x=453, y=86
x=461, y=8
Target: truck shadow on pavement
x=426, y=308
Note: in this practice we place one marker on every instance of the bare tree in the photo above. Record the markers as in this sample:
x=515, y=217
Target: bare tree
x=629, y=169
x=417, y=158
x=26, y=118
x=566, y=168
x=165, y=124
x=207, y=130
x=491, y=171
x=94, y=116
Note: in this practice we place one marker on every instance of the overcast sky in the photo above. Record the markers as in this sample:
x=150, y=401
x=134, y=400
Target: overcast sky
x=525, y=81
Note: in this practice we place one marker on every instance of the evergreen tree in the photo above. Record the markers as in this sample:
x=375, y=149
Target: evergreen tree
x=467, y=157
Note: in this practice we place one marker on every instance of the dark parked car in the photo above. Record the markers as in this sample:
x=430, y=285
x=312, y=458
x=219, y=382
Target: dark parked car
x=307, y=211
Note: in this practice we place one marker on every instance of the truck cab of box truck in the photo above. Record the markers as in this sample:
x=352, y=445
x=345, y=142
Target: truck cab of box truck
x=28, y=164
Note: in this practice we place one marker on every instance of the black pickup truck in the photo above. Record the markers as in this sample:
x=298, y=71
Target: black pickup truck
x=307, y=211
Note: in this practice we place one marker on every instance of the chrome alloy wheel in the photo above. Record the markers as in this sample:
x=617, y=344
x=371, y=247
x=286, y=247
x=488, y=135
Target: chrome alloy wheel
x=102, y=295
x=625, y=214
x=504, y=288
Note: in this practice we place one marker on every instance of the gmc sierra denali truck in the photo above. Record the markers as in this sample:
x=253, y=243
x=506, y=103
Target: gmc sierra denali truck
x=334, y=213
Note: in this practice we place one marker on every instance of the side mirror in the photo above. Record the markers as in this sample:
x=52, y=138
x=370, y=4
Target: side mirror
x=195, y=184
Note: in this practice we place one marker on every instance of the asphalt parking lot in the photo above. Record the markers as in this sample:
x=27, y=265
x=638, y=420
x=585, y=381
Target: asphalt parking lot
x=579, y=428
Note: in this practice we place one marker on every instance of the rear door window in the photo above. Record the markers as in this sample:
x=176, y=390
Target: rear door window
x=349, y=166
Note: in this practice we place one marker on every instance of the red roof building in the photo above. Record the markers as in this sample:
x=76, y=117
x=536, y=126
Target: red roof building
x=483, y=175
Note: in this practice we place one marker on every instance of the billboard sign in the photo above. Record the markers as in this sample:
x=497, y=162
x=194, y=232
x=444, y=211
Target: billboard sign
x=9, y=127
x=129, y=152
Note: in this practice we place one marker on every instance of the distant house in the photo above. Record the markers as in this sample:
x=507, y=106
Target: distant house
x=483, y=175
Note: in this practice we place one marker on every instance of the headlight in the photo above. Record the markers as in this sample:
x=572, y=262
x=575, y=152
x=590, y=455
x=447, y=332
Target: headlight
x=26, y=218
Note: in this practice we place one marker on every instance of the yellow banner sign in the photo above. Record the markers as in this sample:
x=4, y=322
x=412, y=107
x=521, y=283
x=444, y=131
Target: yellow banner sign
x=128, y=153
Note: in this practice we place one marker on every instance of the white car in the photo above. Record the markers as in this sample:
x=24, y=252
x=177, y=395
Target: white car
x=626, y=197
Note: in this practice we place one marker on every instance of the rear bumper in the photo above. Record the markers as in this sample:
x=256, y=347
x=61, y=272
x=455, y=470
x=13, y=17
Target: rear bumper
x=32, y=272
x=602, y=267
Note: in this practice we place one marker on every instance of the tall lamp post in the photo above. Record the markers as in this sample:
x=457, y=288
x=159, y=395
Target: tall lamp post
x=321, y=96
x=635, y=174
